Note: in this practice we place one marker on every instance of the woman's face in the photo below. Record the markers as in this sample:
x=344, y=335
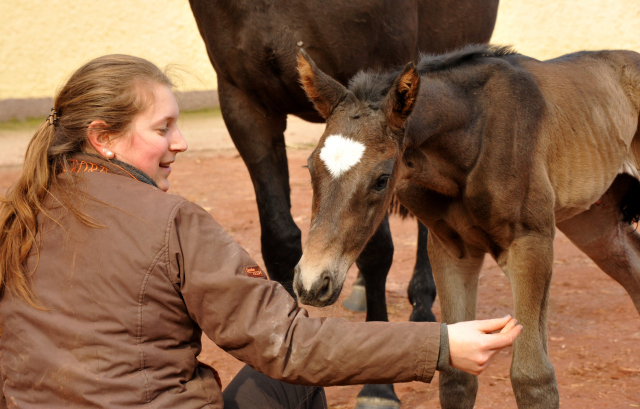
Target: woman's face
x=154, y=139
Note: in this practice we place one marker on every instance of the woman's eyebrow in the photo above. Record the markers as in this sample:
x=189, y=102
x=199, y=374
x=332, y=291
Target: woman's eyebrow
x=167, y=118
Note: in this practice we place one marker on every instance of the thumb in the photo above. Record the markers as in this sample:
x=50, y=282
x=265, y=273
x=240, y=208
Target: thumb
x=494, y=324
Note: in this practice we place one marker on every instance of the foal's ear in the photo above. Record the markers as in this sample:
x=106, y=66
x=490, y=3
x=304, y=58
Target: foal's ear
x=325, y=92
x=401, y=99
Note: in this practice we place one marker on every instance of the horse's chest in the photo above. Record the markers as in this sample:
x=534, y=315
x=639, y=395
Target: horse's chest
x=447, y=218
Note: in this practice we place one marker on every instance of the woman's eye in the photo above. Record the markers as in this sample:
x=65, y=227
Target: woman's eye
x=381, y=183
x=164, y=130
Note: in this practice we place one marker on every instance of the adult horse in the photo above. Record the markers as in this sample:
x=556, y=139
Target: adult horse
x=499, y=149
x=253, y=46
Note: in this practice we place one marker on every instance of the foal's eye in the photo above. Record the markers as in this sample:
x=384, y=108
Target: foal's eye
x=381, y=183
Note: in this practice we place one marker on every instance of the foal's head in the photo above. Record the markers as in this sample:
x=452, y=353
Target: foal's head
x=352, y=174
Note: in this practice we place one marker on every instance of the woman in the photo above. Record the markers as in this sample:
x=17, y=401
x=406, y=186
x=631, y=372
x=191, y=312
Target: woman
x=108, y=282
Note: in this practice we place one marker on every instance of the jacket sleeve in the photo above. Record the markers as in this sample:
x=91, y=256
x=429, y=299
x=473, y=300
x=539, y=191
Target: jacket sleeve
x=259, y=323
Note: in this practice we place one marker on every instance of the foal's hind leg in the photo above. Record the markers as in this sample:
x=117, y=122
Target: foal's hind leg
x=612, y=244
x=374, y=263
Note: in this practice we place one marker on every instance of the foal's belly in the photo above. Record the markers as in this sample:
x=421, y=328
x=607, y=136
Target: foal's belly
x=584, y=172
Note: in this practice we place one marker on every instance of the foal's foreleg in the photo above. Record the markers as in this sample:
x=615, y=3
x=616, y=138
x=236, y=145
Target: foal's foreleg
x=528, y=262
x=457, y=283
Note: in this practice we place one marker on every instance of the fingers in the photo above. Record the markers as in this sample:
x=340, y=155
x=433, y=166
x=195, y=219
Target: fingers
x=494, y=324
x=473, y=344
x=506, y=337
x=512, y=323
x=497, y=342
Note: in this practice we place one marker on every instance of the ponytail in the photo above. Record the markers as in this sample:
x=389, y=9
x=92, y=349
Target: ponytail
x=111, y=89
x=18, y=212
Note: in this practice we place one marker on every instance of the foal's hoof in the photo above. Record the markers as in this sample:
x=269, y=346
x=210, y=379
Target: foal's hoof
x=357, y=300
x=366, y=402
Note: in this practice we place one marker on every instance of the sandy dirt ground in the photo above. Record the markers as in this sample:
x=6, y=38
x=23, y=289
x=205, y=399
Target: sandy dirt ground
x=594, y=330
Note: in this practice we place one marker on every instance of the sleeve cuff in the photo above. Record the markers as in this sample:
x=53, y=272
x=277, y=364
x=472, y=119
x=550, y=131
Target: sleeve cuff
x=443, y=356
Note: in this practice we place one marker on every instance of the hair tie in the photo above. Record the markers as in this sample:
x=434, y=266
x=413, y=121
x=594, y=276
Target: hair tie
x=53, y=117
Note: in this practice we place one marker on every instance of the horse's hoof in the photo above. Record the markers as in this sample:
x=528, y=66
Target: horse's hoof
x=366, y=402
x=357, y=300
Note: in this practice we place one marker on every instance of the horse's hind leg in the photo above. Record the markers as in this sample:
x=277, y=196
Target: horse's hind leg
x=374, y=263
x=422, y=288
x=614, y=245
x=259, y=137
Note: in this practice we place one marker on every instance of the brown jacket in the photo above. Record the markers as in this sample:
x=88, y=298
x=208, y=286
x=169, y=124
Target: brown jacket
x=125, y=306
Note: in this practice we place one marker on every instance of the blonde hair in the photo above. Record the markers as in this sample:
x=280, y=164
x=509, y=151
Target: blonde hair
x=113, y=89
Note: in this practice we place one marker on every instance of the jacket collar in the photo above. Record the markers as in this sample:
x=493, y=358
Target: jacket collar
x=86, y=162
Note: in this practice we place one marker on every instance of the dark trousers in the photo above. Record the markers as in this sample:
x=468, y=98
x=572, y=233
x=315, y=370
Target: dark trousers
x=251, y=389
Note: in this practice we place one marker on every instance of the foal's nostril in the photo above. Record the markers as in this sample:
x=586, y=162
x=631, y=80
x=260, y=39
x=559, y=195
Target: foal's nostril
x=325, y=287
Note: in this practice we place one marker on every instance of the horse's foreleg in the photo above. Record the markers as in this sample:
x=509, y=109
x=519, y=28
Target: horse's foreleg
x=259, y=137
x=422, y=288
x=612, y=244
x=457, y=283
x=374, y=263
x=528, y=264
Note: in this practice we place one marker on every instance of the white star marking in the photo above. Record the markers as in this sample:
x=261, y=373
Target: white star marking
x=340, y=154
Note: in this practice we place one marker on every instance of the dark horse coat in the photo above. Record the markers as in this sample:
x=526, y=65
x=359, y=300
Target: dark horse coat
x=253, y=46
x=491, y=150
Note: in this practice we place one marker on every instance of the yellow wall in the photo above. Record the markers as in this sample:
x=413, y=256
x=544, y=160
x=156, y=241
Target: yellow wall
x=43, y=41
x=548, y=28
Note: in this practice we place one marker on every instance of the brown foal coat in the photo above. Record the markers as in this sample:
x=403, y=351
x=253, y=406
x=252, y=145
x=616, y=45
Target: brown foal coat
x=492, y=151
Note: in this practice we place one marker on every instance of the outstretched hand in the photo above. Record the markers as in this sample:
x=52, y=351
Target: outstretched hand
x=472, y=344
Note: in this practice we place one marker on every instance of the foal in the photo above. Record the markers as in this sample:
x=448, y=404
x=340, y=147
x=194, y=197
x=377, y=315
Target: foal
x=498, y=151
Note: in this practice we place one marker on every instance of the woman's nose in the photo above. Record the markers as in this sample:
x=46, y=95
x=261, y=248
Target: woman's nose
x=178, y=143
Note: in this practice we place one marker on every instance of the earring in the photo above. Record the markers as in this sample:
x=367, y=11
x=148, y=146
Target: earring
x=108, y=154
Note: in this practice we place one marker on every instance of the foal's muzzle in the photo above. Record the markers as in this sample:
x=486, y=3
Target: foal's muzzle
x=321, y=292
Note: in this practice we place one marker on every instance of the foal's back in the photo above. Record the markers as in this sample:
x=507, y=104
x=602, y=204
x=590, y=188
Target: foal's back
x=592, y=102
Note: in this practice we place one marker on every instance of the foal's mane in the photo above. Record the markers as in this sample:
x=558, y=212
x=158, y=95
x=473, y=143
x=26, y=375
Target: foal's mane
x=372, y=85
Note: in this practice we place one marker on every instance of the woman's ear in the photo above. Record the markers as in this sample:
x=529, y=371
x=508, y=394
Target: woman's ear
x=99, y=138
